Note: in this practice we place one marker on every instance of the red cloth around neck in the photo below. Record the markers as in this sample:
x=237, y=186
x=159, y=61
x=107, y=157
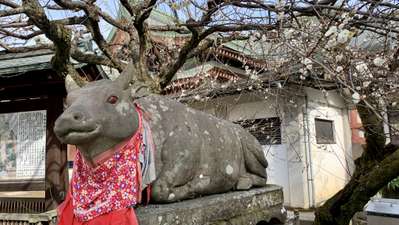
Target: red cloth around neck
x=124, y=216
x=105, y=193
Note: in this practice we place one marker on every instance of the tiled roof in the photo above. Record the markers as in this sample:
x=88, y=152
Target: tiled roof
x=204, y=68
x=194, y=82
x=14, y=63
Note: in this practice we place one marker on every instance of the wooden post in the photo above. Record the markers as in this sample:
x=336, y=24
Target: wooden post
x=56, y=158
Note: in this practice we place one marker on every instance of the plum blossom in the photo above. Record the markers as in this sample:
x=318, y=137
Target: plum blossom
x=379, y=61
x=344, y=36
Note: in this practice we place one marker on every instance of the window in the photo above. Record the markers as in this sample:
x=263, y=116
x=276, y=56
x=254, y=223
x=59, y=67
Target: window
x=324, y=131
x=267, y=130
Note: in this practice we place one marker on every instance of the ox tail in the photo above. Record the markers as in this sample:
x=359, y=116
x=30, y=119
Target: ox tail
x=254, y=157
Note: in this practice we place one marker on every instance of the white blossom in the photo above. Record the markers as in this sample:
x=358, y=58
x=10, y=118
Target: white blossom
x=339, y=58
x=280, y=16
x=289, y=33
x=253, y=76
x=344, y=36
x=363, y=69
x=339, y=69
x=332, y=30
x=366, y=83
x=344, y=23
x=197, y=97
x=356, y=97
x=252, y=38
x=307, y=61
x=379, y=61
x=280, y=4
x=331, y=43
x=264, y=38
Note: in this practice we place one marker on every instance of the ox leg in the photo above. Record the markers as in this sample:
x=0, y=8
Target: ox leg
x=193, y=188
x=175, y=173
x=248, y=180
x=186, y=191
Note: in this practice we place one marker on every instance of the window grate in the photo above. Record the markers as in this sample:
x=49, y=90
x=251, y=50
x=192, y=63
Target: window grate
x=324, y=131
x=22, y=205
x=266, y=130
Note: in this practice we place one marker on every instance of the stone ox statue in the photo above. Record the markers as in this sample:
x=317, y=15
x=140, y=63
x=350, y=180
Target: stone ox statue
x=195, y=153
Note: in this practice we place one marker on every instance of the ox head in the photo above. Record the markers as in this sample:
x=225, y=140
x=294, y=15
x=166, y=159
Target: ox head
x=98, y=116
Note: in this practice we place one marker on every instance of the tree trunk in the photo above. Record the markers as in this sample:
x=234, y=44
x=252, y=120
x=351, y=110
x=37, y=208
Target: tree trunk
x=340, y=209
x=378, y=165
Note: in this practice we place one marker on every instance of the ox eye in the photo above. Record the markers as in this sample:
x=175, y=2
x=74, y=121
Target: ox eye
x=112, y=99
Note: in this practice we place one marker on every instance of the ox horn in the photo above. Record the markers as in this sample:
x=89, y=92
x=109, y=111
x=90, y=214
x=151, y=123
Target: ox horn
x=70, y=84
x=125, y=77
x=128, y=80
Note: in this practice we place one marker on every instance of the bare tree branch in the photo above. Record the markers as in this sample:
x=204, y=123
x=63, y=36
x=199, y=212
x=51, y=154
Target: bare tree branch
x=90, y=58
x=10, y=12
x=58, y=34
x=21, y=36
x=25, y=49
x=143, y=39
x=92, y=25
x=316, y=36
x=178, y=29
x=9, y=3
x=169, y=71
x=128, y=7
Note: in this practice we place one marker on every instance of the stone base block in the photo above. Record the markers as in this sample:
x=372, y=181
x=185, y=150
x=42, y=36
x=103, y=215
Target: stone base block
x=260, y=206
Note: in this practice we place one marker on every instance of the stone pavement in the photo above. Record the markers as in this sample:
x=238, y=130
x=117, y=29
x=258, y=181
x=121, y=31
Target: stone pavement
x=296, y=217
x=307, y=218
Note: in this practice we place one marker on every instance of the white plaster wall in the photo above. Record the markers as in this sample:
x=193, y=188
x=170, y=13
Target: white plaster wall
x=277, y=170
x=309, y=173
x=331, y=163
x=285, y=160
x=293, y=140
x=276, y=155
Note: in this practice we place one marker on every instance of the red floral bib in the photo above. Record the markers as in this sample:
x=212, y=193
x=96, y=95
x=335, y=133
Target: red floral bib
x=113, y=185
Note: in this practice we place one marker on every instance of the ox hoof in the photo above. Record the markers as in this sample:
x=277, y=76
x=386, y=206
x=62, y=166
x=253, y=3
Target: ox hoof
x=161, y=192
x=244, y=183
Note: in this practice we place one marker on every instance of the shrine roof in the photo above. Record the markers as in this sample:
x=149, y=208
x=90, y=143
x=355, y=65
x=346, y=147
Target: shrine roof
x=203, y=68
x=14, y=63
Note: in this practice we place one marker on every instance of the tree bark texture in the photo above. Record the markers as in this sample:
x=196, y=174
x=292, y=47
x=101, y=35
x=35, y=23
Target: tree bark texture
x=378, y=165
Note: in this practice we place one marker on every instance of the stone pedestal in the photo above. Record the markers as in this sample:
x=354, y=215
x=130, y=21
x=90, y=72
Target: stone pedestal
x=261, y=206
x=256, y=206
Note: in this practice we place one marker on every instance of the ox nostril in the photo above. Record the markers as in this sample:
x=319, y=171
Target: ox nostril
x=77, y=116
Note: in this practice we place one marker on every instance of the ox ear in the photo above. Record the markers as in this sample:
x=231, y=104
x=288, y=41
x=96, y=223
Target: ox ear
x=125, y=77
x=70, y=84
x=135, y=88
x=139, y=90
